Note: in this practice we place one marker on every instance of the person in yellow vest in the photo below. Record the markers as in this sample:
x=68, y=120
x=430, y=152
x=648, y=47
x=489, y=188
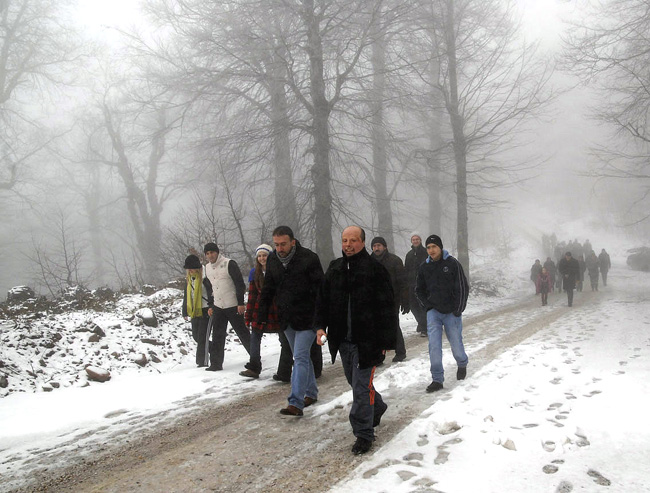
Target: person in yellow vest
x=228, y=291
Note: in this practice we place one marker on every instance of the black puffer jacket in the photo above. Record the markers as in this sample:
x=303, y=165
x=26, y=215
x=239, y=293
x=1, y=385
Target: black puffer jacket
x=294, y=289
x=442, y=285
x=363, y=284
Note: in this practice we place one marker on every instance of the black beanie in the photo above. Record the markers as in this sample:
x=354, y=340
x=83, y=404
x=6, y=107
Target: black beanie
x=211, y=247
x=435, y=239
x=192, y=262
x=378, y=239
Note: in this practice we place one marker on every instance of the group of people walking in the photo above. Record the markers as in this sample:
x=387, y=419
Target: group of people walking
x=354, y=306
x=568, y=273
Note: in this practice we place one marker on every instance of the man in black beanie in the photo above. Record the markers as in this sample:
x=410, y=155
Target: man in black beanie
x=442, y=289
x=228, y=291
x=397, y=274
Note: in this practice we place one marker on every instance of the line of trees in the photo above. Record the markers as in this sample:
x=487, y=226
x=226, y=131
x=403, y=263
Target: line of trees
x=222, y=119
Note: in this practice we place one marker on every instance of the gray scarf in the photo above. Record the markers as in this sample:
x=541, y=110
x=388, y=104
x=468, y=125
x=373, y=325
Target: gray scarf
x=285, y=260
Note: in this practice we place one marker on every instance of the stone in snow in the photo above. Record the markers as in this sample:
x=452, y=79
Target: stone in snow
x=98, y=374
x=139, y=358
x=148, y=317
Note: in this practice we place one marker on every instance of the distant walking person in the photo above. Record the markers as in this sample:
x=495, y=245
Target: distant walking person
x=293, y=279
x=544, y=285
x=605, y=265
x=442, y=289
x=412, y=261
x=535, y=271
x=356, y=306
x=569, y=269
x=593, y=264
x=397, y=274
x=254, y=366
x=197, y=298
x=228, y=291
x=552, y=270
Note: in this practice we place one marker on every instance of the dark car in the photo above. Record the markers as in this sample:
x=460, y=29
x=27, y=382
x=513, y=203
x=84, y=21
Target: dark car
x=639, y=259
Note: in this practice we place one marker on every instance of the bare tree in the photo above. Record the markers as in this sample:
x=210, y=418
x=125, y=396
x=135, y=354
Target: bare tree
x=609, y=50
x=37, y=50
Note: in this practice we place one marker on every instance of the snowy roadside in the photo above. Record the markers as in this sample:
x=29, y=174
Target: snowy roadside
x=565, y=410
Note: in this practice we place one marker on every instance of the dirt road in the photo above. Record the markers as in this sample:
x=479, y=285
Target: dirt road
x=246, y=445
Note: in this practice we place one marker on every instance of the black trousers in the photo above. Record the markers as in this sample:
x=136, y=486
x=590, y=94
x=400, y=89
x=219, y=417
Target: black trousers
x=220, y=319
x=201, y=336
x=418, y=311
x=569, y=294
x=285, y=364
x=366, y=401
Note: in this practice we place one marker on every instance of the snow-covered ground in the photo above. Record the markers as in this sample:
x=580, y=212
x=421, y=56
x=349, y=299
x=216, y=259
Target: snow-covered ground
x=563, y=410
x=566, y=410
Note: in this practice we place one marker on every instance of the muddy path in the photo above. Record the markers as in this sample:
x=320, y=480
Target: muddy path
x=246, y=445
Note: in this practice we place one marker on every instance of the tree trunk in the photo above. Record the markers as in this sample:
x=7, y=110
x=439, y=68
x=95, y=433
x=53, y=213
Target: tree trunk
x=460, y=144
x=320, y=172
x=286, y=211
x=433, y=162
x=379, y=156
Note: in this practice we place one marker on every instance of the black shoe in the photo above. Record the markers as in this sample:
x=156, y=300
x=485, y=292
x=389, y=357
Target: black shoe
x=377, y=418
x=399, y=358
x=361, y=446
x=423, y=334
x=214, y=368
x=278, y=378
x=433, y=386
x=461, y=373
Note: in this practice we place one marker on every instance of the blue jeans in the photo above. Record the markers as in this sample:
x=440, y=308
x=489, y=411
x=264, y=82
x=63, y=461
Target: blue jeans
x=454, y=329
x=303, y=380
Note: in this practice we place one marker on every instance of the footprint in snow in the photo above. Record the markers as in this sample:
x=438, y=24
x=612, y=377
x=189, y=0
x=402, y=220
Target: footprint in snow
x=599, y=478
x=550, y=469
x=442, y=456
x=570, y=396
x=556, y=380
x=555, y=405
x=422, y=441
x=593, y=393
x=548, y=445
x=564, y=487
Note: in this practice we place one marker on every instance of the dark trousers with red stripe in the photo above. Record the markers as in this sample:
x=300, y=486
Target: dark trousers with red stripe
x=366, y=400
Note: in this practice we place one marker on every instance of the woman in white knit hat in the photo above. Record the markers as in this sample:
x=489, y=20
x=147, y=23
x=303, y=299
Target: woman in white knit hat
x=256, y=279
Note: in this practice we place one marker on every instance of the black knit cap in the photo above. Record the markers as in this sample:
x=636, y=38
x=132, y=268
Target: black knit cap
x=378, y=239
x=211, y=247
x=435, y=239
x=192, y=262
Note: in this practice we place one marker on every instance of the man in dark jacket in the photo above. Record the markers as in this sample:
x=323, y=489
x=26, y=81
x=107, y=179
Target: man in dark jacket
x=395, y=268
x=356, y=306
x=412, y=261
x=442, y=289
x=293, y=278
x=569, y=269
x=605, y=265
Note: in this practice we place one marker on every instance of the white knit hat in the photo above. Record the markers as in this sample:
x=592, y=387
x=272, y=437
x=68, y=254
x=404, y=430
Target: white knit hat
x=415, y=233
x=263, y=248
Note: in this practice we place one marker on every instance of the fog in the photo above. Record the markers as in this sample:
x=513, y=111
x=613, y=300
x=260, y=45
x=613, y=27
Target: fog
x=135, y=131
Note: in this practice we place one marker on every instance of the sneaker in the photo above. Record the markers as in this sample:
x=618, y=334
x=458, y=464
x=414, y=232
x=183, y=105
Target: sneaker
x=361, y=446
x=461, y=373
x=291, y=411
x=278, y=378
x=249, y=373
x=310, y=400
x=214, y=368
x=399, y=359
x=376, y=420
x=433, y=386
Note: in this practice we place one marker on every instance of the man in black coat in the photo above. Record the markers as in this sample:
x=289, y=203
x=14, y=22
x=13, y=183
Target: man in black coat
x=397, y=274
x=356, y=306
x=443, y=290
x=569, y=269
x=293, y=279
x=605, y=265
x=412, y=261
